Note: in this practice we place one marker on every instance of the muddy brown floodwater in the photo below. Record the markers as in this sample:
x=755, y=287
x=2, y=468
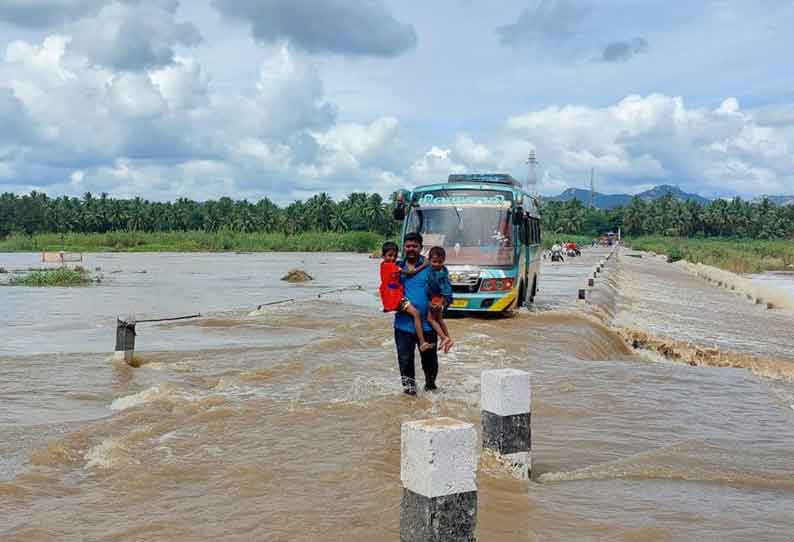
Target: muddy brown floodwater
x=284, y=424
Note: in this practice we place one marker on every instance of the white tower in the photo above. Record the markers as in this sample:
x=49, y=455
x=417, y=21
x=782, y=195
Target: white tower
x=532, y=174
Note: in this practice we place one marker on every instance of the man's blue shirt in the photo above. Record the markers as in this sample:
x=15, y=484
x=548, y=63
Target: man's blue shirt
x=416, y=292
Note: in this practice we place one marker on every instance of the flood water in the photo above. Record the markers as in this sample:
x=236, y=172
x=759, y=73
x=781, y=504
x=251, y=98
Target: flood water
x=284, y=424
x=783, y=280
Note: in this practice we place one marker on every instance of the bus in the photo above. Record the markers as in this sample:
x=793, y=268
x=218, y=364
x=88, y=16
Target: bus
x=489, y=227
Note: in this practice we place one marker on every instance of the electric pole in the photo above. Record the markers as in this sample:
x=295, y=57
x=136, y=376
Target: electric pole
x=592, y=188
x=532, y=175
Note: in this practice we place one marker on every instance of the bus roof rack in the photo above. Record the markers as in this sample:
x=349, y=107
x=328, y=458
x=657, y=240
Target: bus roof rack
x=498, y=178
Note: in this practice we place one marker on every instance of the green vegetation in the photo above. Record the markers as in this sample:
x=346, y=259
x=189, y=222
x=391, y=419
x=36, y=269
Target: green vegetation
x=670, y=217
x=62, y=276
x=194, y=241
x=36, y=222
x=737, y=255
x=360, y=222
x=37, y=213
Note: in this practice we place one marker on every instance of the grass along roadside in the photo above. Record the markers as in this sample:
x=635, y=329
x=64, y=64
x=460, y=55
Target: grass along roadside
x=193, y=241
x=220, y=241
x=735, y=255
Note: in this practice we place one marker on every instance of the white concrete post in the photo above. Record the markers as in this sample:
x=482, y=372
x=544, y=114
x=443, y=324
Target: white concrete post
x=438, y=470
x=590, y=282
x=506, y=398
x=125, y=341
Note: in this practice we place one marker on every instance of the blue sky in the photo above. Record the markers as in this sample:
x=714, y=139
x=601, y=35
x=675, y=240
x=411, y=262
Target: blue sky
x=285, y=98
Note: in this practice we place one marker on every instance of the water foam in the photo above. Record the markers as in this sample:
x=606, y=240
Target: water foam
x=691, y=354
x=146, y=396
x=107, y=454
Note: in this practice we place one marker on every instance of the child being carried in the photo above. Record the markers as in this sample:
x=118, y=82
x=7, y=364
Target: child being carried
x=392, y=291
x=439, y=290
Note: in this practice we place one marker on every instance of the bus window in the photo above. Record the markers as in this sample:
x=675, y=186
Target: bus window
x=473, y=235
x=534, y=227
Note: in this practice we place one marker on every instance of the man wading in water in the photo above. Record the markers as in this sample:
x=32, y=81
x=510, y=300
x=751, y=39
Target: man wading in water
x=404, y=331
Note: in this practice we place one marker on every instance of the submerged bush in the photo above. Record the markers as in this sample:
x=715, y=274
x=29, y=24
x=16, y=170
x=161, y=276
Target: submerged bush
x=63, y=276
x=675, y=254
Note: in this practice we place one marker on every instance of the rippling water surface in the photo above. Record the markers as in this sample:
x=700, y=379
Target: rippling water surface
x=284, y=424
x=777, y=279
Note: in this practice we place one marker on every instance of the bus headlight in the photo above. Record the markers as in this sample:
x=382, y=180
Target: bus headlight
x=496, y=285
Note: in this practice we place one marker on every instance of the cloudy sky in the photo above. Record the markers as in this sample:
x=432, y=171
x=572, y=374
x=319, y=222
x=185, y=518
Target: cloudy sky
x=285, y=98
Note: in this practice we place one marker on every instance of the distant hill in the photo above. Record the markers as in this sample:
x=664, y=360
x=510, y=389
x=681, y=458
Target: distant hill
x=602, y=201
x=610, y=201
x=663, y=190
x=778, y=200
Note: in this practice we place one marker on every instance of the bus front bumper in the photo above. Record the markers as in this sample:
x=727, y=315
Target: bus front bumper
x=484, y=302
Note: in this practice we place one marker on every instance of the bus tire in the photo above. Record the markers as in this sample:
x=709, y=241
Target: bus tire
x=533, y=292
x=522, y=291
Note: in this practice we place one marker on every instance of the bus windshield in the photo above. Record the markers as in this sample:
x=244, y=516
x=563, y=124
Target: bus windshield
x=470, y=234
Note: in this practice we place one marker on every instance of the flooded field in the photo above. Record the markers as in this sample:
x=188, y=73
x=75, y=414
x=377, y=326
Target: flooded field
x=284, y=424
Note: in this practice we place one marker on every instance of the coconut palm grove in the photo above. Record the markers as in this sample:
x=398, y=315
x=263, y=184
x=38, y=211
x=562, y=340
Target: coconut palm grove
x=36, y=213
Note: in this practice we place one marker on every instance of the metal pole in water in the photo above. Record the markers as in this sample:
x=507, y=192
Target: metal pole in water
x=438, y=467
x=506, y=398
x=125, y=340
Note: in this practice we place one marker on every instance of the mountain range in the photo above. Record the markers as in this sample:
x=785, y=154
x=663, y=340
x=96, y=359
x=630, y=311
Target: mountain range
x=778, y=200
x=610, y=201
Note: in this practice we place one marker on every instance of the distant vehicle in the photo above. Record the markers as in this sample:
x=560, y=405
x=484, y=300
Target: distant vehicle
x=572, y=250
x=608, y=239
x=490, y=229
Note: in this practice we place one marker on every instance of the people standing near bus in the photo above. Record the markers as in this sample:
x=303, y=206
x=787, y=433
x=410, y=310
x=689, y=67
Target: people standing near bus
x=439, y=290
x=405, y=338
x=392, y=291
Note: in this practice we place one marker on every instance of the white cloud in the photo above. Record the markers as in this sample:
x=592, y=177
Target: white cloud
x=133, y=35
x=434, y=166
x=35, y=13
x=135, y=96
x=472, y=153
x=547, y=22
x=360, y=141
x=349, y=27
x=656, y=138
x=164, y=116
x=289, y=95
x=184, y=84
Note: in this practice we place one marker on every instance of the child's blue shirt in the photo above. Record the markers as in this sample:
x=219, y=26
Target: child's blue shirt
x=438, y=283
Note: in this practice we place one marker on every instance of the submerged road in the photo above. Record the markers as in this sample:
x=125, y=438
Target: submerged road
x=560, y=282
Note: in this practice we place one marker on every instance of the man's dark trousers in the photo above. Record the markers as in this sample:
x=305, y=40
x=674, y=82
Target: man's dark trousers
x=406, y=346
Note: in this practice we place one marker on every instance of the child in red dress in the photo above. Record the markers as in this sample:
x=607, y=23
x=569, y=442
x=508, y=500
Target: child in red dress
x=392, y=291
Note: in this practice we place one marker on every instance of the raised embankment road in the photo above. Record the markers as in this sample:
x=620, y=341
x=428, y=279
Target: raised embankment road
x=561, y=282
